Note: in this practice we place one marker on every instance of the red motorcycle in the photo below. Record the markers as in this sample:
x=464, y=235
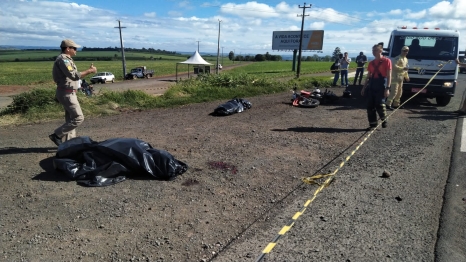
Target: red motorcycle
x=304, y=99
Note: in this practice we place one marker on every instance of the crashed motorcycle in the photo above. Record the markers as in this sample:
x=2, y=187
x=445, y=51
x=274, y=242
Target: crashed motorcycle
x=303, y=99
x=86, y=88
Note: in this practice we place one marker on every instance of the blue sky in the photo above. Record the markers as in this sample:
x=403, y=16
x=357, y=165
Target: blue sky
x=246, y=26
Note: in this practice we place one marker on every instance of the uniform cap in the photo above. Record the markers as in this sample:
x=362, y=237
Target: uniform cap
x=69, y=43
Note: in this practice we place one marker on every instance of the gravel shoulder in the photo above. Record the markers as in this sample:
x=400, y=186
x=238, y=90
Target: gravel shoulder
x=212, y=213
x=231, y=214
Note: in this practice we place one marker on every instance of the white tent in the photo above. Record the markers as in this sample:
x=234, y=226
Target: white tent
x=195, y=59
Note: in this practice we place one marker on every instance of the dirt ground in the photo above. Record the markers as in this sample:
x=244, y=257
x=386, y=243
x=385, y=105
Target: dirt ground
x=244, y=174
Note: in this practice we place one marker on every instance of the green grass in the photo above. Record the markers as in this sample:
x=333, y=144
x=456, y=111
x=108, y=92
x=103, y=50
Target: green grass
x=251, y=79
x=282, y=68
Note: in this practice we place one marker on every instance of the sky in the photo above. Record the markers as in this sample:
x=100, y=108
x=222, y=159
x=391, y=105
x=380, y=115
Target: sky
x=246, y=27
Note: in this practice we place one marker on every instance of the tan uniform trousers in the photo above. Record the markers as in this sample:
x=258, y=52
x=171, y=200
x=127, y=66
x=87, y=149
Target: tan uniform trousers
x=395, y=93
x=73, y=113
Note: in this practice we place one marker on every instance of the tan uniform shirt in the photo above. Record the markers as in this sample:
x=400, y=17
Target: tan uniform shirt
x=65, y=73
x=398, y=72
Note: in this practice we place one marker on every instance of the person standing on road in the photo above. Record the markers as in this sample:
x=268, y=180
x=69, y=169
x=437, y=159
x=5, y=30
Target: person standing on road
x=361, y=61
x=400, y=73
x=337, y=69
x=66, y=76
x=377, y=87
x=344, y=66
x=462, y=110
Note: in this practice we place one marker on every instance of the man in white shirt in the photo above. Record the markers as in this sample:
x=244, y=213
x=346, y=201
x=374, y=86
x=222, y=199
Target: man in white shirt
x=344, y=65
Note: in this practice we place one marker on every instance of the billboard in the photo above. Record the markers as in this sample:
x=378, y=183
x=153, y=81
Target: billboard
x=289, y=40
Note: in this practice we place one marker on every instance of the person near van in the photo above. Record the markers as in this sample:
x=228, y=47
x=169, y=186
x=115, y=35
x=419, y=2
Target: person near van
x=462, y=110
x=400, y=73
x=344, y=65
x=415, y=47
x=361, y=61
x=377, y=87
x=337, y=69
x=66, y=76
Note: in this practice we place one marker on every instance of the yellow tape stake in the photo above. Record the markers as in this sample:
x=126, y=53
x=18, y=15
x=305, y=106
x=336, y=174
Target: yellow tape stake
x=330, y=178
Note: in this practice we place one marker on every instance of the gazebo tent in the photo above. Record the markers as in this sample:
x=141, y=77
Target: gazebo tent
x=195, y=59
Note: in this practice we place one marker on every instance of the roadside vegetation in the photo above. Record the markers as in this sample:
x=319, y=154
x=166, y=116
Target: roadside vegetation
x=250, y=79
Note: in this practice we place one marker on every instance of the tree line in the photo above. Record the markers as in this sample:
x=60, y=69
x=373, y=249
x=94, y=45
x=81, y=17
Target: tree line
x=129, y=49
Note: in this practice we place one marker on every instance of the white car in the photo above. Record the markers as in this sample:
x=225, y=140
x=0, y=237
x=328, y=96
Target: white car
x=103, y=77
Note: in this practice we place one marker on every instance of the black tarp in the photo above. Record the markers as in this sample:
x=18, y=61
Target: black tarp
x=105, y=163
x=233, y=106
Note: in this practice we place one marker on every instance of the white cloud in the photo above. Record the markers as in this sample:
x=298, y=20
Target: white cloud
x=250, y=9
x=151, y=14
x=395, y=12
x=417, y=15
x=445, y=9
x=317, y=25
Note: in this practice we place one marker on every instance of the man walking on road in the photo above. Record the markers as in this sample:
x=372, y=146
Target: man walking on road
x=377, y=87
x=66, y=76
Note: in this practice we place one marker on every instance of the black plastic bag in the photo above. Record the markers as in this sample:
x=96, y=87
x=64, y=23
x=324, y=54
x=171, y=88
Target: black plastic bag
x=108, y=162
x=233, y=106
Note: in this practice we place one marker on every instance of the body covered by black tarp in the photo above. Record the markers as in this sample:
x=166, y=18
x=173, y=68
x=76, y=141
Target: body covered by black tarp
x=233, y=106
x=105, y=163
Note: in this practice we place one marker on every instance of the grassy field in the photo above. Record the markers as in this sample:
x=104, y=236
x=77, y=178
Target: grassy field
x=24, y=72
x=39, y=72
x=251, y=79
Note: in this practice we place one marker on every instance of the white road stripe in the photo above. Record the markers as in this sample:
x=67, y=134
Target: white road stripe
x=463, y=136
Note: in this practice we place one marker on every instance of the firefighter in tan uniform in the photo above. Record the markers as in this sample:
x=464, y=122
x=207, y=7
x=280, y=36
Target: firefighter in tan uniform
x=66, y=76
x=400, y=73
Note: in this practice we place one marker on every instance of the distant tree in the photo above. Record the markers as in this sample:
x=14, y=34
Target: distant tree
x=267, y=56
x=327, y=58
x=231, y=55
x=336, y=53
x=259, y=58
x=315, y=58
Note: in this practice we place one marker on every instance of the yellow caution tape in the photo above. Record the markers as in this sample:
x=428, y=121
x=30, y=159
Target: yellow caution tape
x=330, y=178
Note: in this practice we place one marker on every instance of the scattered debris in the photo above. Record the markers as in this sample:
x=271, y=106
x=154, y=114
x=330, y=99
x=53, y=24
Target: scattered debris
x=398, y=198
x=385, y=174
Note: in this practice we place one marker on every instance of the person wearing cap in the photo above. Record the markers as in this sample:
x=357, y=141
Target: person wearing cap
x=377, y=87
x=400, y=73
x=66, y=76
x=361, y=61
x=462, y=110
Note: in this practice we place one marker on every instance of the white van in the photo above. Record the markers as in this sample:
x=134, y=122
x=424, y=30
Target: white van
x=429, y=50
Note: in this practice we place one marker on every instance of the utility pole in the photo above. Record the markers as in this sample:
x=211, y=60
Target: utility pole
x=122, y=50
x=301, y=38
x=198, y=46
x=218, y=46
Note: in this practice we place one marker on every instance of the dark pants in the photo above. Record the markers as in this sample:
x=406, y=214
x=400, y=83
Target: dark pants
x=335, y=78
x=375, y=95
x=360, y=73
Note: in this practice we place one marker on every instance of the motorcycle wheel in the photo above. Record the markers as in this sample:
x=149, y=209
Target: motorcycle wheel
x=309, y=103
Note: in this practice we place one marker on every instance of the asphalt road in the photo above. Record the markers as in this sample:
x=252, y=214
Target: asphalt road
x=365, y=217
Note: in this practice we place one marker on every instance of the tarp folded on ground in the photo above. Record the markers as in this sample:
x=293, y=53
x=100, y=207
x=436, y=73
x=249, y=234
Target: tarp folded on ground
x=109, y=162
